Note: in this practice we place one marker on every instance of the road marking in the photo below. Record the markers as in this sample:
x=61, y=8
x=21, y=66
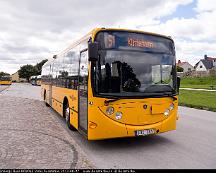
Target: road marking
x=195, y=89
x=4, y=88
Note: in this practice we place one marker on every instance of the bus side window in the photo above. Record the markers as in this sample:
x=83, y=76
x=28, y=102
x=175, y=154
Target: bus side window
x=70, y=67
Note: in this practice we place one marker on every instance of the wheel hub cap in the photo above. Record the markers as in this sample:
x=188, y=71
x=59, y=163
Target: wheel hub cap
x=67, y=114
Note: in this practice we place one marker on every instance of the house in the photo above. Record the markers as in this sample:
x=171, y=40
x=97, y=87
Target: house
x=15, y=78
x=185, y=65
x=205, y=64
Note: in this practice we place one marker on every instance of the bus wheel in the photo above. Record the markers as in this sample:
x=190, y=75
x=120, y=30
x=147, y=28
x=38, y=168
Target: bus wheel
x=45, y=99
x=67, y=117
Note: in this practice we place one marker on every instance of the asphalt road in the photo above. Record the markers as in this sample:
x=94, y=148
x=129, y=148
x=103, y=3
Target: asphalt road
x=192, y=145
x=3, y=87
x=23, y=90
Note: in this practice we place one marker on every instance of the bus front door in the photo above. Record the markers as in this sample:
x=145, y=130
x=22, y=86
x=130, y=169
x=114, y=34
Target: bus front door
x=83, y=91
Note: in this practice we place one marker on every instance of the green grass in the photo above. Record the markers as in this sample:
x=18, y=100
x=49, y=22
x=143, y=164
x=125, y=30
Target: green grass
x=198, y=82
x=198, y=99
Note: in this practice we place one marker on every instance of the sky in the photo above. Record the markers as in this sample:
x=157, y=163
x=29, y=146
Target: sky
x=33, y=30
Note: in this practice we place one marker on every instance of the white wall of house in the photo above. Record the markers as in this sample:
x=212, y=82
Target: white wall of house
x=187, y=67
x=200, y=67
x=214, y=63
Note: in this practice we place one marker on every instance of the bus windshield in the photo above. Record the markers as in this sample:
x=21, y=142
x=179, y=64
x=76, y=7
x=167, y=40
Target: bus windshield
x=5, y=78
x=136, y=71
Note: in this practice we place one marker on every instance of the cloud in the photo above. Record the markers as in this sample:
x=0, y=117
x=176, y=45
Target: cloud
x=194, y=37
x=24, y=48
x=31, y=30
x=205, y=6
x=194, y=51
x=200, y=28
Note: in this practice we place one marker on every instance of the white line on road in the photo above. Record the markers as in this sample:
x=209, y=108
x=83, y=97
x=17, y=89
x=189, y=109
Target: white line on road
x=195, y=89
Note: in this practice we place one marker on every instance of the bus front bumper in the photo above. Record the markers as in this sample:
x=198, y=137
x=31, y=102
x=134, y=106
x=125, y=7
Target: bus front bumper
x=106, y=128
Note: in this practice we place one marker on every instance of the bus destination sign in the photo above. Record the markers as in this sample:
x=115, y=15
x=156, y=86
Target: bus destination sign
x=140, y=43
x=137, y=41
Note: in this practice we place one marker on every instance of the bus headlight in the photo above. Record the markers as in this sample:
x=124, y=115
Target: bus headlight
x=118, y=115
x=167, y=112
x=110, y=110
x=171, y=107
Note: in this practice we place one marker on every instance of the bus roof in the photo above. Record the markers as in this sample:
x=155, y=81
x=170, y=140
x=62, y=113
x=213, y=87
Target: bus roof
x=96, y=30
x=93, y=34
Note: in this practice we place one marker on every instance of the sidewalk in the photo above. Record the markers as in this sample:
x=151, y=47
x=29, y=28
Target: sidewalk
x=32, y=136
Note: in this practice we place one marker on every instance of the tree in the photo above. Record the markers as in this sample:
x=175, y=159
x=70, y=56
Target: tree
x=179, y=69
x=39, y=65
x=4, y=74
x=27, y=71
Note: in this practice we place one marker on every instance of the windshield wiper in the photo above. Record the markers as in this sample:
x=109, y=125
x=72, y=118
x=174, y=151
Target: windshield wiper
x=106, y=102
x=170, y=95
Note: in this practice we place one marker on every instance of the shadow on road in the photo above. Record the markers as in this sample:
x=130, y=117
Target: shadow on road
x=138, y=142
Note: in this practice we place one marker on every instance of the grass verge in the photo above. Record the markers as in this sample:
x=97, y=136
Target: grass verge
x=198, y=99
x=198, y=82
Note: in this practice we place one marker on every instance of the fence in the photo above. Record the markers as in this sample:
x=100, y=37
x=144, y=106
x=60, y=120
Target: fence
x=211, y=72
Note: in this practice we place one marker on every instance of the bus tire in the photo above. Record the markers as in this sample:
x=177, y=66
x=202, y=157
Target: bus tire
x=67, y=117
x=45, y=99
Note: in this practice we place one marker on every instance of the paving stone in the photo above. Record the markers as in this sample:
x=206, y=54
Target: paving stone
x=31, y=136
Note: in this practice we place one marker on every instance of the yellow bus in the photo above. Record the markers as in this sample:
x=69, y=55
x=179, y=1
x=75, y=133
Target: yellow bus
x=32, y=80
x=35, y=80
x=114, y=83
x=5, y=80
x=38, y=80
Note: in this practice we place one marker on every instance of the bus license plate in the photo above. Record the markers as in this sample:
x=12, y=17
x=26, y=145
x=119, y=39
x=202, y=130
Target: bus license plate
x=144, y=132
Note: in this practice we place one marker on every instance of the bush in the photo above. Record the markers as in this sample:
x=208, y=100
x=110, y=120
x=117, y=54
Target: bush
x=179, y=69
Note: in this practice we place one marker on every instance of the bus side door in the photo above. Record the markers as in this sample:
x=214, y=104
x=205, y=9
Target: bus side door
x=83, y=92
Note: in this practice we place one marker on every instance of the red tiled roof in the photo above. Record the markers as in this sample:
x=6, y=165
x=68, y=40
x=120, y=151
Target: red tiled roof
x=181, y=63
x=209, y=58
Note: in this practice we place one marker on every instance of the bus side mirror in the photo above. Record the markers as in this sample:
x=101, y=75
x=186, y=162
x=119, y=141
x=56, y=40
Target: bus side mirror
x=178, y=83
x=93, y=51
